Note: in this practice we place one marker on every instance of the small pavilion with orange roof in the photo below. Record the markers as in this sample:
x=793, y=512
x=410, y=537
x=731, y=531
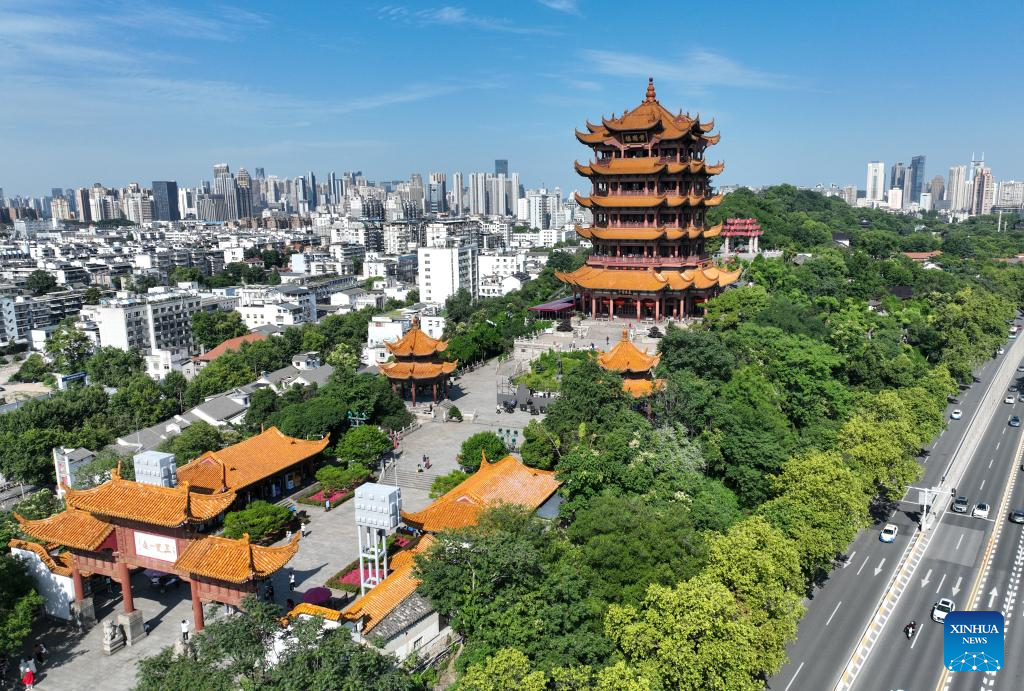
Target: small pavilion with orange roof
x=417, y=364
x=634, y=365
x=508, y=481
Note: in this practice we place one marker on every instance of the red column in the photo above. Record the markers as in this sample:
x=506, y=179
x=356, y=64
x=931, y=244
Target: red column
x=414, y=392
x=126, y=586
x=76, y=579
x=657, y=310
x=435, y=392
x=638, y=309
x=593, y=305
x=197, y=607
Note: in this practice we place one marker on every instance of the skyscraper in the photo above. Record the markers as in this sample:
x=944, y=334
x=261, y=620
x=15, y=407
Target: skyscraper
x=165, y=200
x=437, y=193
x=81, y=204
x=456, y=190
x=875, y=189
x=243, y=187
x=915, y=179
x=220, y=169
x=501, y=167
x=958, y=190
x=897, y=175
x=224, y=185
x=984, y=191
x=478, y=193
x=937, y=188
x=311, y=190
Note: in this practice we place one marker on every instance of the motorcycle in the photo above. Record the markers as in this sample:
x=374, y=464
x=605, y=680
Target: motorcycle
x=910, y=629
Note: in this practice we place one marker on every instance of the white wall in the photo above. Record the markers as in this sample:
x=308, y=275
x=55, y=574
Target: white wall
x=58, y=592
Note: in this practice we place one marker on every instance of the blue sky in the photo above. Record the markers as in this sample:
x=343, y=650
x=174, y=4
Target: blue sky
x=802, y=92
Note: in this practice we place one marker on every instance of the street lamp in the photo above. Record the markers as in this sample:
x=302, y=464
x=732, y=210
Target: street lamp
x=356, y=419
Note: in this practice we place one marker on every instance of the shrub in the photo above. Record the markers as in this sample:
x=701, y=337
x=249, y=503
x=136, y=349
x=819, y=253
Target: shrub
x=259, y=519
x=333, y=478
x=481, y=442
x=455, y=414
x=446, y=483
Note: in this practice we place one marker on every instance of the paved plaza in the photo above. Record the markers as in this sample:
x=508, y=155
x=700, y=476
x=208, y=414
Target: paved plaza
x=77, y=661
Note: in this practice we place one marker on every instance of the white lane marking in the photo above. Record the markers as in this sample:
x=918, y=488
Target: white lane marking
x=941, y=581
x=878, y=569
x=959, y=541
x=991, y=462
x=998, y=443
x=927, y=578
x=982, y=486
x=863, y=565
x=914, y=641
x=834, y=613
x=794, y=677
x=849, y=558
x=956, y=588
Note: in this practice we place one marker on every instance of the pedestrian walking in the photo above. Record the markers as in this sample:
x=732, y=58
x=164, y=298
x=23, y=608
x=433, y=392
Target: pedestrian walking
x=327, y=504
x=29, y=679
x=39, y=653
x=291, y=581
x=184, y=630
x=270, y=592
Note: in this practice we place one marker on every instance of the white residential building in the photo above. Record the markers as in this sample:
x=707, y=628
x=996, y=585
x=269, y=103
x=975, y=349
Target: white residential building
x=443, y=271
x=276, y=305
x=161, y=319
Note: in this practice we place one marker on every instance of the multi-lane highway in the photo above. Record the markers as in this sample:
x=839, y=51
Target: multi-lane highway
x=836, y=624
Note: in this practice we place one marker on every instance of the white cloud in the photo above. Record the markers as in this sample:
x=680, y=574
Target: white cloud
x=697, y=69
x=566, y=6
x=458, y=16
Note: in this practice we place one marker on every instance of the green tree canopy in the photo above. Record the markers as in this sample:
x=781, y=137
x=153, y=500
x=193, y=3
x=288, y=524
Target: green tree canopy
x=210, y=329
x=475, y=446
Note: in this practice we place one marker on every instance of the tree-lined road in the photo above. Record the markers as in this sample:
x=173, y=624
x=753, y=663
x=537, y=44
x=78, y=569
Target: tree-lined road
x=842, y=607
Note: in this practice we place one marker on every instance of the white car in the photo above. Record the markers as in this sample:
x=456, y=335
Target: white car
x=956, y=414
x=942, y=608
x=980, y=511
x=1010, y=399
x=1020, y=368
x=889, y=533
x=1001, y=350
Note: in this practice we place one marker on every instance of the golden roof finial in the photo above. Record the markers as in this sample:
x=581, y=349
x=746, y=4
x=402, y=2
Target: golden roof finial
x=650, y=90
x=115, y=473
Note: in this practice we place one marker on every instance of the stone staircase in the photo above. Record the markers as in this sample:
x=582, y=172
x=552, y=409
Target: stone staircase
x=404, y=475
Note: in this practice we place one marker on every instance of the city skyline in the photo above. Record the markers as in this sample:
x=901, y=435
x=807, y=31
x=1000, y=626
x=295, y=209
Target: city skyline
x=488, y=83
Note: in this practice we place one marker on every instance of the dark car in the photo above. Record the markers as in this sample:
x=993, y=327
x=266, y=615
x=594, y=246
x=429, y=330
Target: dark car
x=164, y=581
x=960, y=504
x=1014, y=388
x=1015, y=421
x=1017, y=516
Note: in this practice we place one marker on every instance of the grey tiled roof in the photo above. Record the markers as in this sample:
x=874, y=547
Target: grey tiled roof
x=411, y=610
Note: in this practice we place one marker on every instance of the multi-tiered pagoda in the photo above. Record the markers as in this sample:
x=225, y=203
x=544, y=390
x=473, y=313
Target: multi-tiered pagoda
x=651, y=190
x=418, y=364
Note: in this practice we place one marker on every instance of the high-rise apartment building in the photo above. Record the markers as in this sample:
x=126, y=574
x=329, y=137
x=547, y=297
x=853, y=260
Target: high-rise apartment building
x=937, y=188
x=497, y=196
x=501, y=167
x=60, y=210
x=1010, y=194
x=895, y=198
x=443, y=271
x=984, y=191
x=456, y=194
x=165, y=200
x=958, y=190
x=875, y=188
x=161, y=319
x=82, y=205
x=915, y=178
x=224, y=185
x=478, y=193
x=311, y=190
x=437, y=193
